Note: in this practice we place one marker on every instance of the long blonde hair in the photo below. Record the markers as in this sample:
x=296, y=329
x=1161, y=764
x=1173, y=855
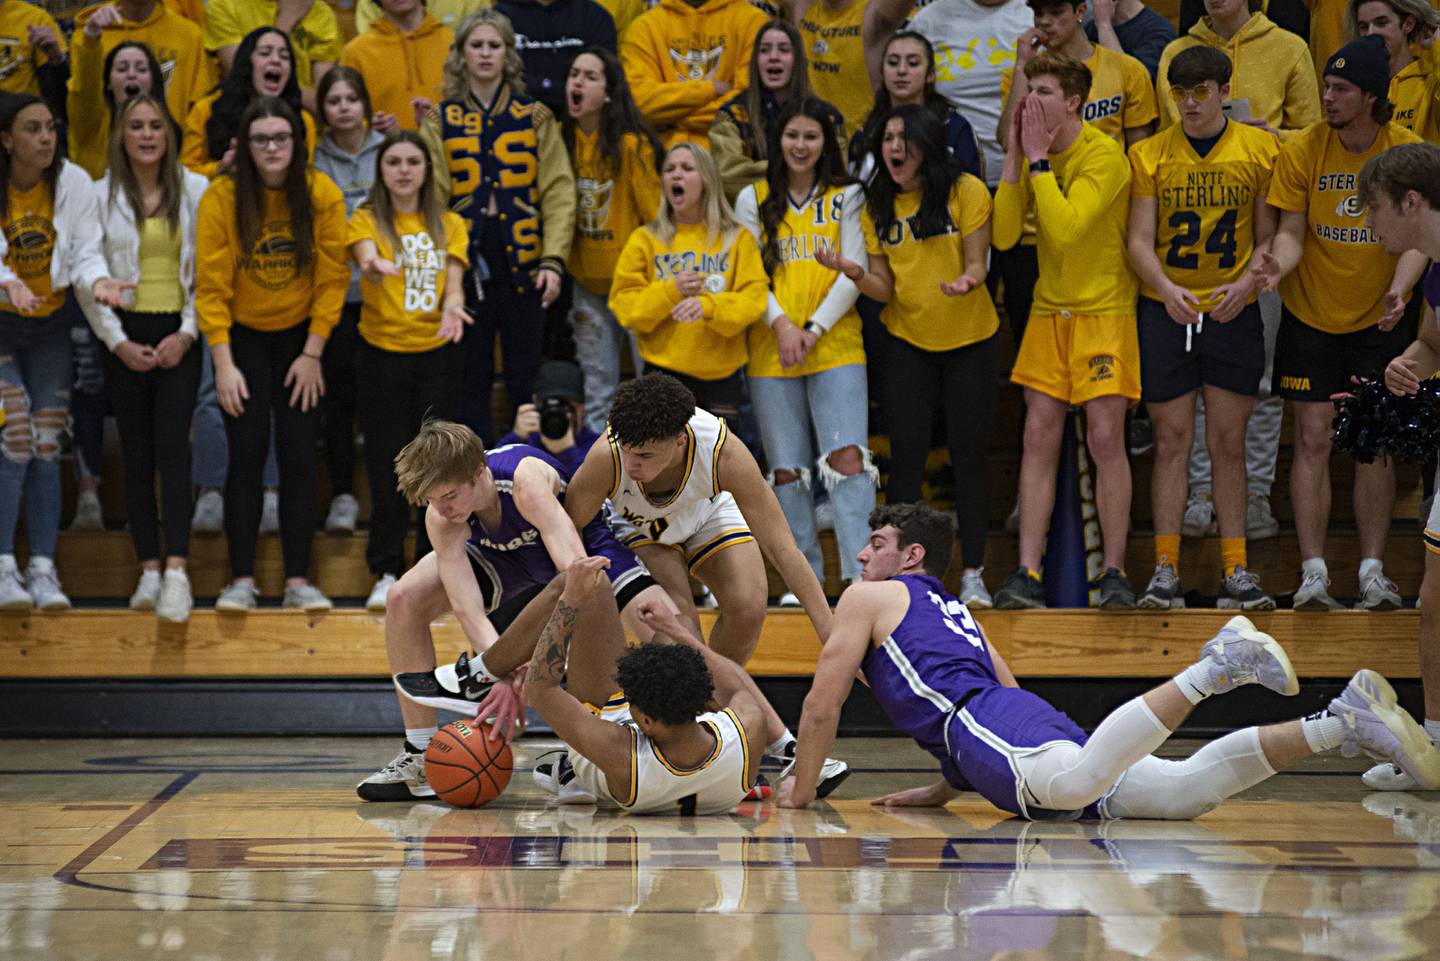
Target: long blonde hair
x=720, y=222
x=457, y=82
x=122, y=177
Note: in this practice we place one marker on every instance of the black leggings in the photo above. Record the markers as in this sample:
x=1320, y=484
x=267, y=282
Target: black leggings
x=264, y=357
x=401, y=390
x=339, y=403
x=152, y=411
x=964, y=381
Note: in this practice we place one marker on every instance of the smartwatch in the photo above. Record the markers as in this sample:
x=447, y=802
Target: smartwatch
x=1040, y=167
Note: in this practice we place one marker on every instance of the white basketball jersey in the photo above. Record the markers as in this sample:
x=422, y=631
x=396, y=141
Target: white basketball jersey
x=685, y=510
x=659, y=787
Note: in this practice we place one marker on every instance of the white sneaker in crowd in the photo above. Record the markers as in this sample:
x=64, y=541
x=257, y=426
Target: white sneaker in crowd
x=147, y=592
x=239, y=596
x=788, y=599
x=176, y=601
x=344, y=512
x=972, y=590
x=307, y=597
x=87, y=512
x=13, y=596
x=380, y=593
x=209, y=516
x=1199, y=515
x=44, y=585
x=270, y=512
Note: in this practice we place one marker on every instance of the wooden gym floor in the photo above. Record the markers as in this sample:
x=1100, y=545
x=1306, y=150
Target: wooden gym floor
x=258, y=849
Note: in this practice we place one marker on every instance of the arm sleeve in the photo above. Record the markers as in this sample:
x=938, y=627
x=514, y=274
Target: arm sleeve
x=748, y=213
x=220, y=27
x=730, y=312
x=664, y=103
x=556, y=181
x=1139, y=95
x=324, y=30
x=843, y=293
x=1168, y=115
x=1066, y=216
x=644, y=180
x=1289, y=182
x=737, y=170
x=86, y=259
x=640, y=303
x=84, y=103
x=330, y=276
x=1142, y=178
x=102, y=319
x=1010, y=211
x=1302, y=98
x=192, y=148
x=430, y=135
x=214, y=269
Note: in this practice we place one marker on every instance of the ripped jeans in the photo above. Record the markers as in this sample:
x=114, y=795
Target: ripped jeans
x=802, y=421
x=36, y=372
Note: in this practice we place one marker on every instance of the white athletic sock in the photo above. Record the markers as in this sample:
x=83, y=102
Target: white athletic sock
x=479, y=670
x=1370, y=567
x=1314, y=565
x=1432, y=728
x=1196, y=682
x=1323, y=731
x=419, y=737
x=781, y=746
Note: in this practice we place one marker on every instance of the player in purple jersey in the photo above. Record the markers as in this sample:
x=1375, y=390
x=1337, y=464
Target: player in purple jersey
x=1401, y=189
x=499, y=532
x=928, y=664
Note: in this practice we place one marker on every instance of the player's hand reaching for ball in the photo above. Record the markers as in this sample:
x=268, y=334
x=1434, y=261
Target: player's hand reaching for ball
x=583, y=578
x=790, y=796
x=504, y=708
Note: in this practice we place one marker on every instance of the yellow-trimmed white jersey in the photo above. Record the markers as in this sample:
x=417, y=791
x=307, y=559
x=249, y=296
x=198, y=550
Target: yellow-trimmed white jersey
x=658, y=787
x=672, y=519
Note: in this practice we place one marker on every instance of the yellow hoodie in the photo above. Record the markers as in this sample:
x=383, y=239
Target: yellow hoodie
x=1270, y=68
x=674, y=53
x=399, y=66
x=611, y=204
x=192, y=145
x=176, y=43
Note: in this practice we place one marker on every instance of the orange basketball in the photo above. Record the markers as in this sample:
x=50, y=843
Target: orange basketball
x=465, y=767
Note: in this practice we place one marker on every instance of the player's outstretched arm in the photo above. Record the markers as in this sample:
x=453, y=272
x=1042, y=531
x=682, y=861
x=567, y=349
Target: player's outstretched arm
x=448, y=542
x=592, y=483
x=835, y=674
x=606, y=745
x=536, y=484
x=740, y=475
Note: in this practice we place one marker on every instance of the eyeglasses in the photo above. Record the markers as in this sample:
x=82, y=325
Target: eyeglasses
x=1199, y=93
x=262, y=142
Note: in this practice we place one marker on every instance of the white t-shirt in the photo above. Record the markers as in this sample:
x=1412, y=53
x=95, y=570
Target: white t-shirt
x=973, y=44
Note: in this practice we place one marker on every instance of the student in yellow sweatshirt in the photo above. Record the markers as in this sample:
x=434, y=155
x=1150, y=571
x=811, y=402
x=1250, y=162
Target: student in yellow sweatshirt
x=264, y=67
x=401, y=56
x=269, y=286
x=448, y=12
x=807, y=361
x=690, y=282
x=30, y=62
x=927, y=234
x=685, y=58
x=616, y=157
x=1272, y=83
x=1080, y=346
x=411, y=252
x=175, y=44
x=1414, y=81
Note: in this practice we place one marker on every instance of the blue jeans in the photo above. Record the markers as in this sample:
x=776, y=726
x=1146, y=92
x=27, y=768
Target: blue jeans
x=36, y=371
x=802, y=420
x=210, y=456
x=599, y=338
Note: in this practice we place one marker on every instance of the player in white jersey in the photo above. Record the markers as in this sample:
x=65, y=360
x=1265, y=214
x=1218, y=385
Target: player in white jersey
x=660, y=728
x=690, y=500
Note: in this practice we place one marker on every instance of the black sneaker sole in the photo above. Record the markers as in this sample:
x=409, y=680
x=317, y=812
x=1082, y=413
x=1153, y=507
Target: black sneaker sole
x=422, y=689
x=828, y=786
x=390, y=793
x=1012, y=602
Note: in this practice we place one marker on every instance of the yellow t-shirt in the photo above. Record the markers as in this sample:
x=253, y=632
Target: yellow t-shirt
x=1121, y=97
x=1205, y=207
x=610, y=205
x=1340, y=283
x=18, y=58
x=159, y=290
x=1083, y=209
x=30, y=234
x=193, y=152
x=836, y=53
x=1415, y=92
x=315, y=39
x=260, y=288
x=919, y=312
x=402, y=314
x=801, y=284
x=735, y=295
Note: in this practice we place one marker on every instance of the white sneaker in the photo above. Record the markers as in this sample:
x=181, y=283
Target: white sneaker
x=1375, y=725
x=270, y=512
x=403, y=779
x=379, y=593
x=832, y=773
x=147, y=592
x=176, y=601
x=1239, y=654
x=44, y=585
x=1199, y=515
x=1260, y=521
x=825, y=516
x=972, y=590
x=307, y=597
x=1378, y=593
x=344, y=510
x=1387, y=777
x=87, y=513
x=788, y=599
x=557, y=778
x=1314, y=594
x=13, y=596
x=209, y=516
x=239, y=596
x=707, y=599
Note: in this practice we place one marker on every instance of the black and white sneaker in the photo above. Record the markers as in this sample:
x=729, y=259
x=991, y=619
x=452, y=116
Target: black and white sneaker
x=450, y=687
x=832, y=774
x=403, y=779
x=557, y=778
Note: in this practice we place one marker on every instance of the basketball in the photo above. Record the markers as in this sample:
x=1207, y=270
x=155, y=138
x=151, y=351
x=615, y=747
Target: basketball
x=465, y=767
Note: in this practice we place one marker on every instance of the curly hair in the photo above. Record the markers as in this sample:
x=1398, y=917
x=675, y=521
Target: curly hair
x=669, y=682
x=653, y=407
x=923, y=525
